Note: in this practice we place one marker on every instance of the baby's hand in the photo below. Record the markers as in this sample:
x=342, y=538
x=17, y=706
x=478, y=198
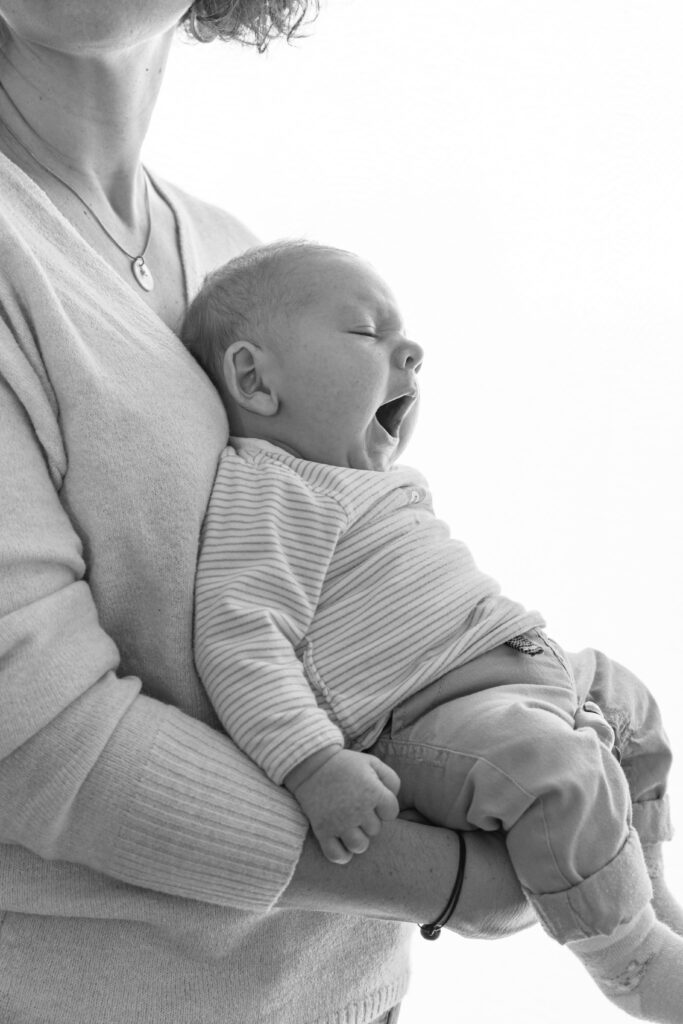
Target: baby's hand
x=346, y=799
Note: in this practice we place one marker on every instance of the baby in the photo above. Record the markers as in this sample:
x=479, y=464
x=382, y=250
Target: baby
x=343, y=635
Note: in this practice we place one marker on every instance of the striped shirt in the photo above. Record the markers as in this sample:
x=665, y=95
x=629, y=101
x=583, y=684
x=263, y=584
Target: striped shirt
x=327, y=595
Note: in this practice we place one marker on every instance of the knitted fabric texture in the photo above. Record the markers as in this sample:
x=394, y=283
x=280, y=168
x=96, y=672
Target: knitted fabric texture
x=142, y=848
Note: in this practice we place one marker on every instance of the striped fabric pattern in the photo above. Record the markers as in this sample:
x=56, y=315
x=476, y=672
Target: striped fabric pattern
x=325, y=596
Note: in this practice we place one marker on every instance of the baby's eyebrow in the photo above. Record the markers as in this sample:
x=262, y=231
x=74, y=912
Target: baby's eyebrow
x=390, y=320
x=364, y=307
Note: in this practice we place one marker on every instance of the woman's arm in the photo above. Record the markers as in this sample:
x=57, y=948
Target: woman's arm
x=92, y=771
x=408, y=875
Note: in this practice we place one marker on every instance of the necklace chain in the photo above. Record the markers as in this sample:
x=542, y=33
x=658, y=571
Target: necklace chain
x=141, y=271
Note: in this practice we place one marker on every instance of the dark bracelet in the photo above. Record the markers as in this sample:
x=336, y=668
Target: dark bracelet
x=433, y=930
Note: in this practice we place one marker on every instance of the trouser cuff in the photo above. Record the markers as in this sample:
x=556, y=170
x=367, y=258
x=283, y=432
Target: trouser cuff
x=612, y=896
x=652, y=820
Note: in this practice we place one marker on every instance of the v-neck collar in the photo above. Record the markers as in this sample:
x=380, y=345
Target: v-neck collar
x=186, y=249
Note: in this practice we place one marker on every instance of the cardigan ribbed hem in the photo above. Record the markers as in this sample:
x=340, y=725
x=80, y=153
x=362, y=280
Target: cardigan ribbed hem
x=292, y=968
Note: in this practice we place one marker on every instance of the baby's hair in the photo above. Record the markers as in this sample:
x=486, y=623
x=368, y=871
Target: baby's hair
x=246, y=299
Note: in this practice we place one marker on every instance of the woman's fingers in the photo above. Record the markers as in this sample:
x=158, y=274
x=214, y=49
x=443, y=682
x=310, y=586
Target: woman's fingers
x=590, y=716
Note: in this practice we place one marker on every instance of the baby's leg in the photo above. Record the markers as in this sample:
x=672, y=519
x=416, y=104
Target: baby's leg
x=645, y=754
x=508, y=757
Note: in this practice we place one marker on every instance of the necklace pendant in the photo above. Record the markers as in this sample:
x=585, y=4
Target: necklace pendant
x=142, y=274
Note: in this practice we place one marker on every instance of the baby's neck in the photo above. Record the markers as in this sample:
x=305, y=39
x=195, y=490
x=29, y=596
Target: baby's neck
x=269, y=439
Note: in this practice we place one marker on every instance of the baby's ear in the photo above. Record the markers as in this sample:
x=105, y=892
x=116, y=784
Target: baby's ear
x=245, y=373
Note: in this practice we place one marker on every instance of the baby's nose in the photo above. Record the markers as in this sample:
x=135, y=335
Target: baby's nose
x=410, y=356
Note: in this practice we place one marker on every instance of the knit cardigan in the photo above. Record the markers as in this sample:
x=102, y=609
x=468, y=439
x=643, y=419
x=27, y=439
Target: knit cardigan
x=143, y=853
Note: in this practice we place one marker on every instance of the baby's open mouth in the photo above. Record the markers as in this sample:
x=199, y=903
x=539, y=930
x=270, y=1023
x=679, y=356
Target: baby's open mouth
x=391, y=414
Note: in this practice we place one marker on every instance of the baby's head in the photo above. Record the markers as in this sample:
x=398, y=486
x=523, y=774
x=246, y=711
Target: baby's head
x=307, y=348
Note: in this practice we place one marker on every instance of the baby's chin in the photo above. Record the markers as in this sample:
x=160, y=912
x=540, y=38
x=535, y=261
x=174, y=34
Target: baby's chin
x=378, y=452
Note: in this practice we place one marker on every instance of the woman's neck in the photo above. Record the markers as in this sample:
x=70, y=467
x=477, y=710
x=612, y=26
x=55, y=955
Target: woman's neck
x=83, y=118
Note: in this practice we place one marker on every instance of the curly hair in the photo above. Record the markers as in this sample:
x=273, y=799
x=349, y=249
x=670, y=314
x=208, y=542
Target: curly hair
x=252, y=22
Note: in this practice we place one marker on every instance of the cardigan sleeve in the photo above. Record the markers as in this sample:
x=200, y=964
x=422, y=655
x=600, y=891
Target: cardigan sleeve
x=268, y=540
x=92, y=771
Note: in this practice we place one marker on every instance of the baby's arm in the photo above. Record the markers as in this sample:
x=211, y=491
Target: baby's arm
x=268, y=541
x=346, y=795
x=267, y=545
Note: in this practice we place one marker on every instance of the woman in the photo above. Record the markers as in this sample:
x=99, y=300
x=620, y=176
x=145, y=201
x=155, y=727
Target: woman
x=150, y=873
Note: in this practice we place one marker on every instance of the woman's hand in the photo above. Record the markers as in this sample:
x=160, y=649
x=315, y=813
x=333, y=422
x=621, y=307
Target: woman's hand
x=407, y=874
x=497, y=910
x=491, y=904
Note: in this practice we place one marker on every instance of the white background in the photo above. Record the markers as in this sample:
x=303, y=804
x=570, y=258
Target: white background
x=513, y=168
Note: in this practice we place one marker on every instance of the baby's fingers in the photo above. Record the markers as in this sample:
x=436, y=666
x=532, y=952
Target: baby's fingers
x=386, y=775
x=387, y=806
x=355, y=840
x=334, y=850
x=371, y=825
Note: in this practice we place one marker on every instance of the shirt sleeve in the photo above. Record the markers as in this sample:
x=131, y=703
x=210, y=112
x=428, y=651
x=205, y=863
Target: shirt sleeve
x=92, y=771
x=268, y=540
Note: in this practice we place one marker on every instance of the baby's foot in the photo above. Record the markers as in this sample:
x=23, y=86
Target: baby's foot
x=667, y=908
x=639, y=968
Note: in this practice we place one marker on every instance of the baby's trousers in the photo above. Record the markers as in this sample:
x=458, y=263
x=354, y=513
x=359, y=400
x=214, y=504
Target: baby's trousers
x=493, y=745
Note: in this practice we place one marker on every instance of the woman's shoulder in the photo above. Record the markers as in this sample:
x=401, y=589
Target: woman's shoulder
x=219, y=235
x=21, y=210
